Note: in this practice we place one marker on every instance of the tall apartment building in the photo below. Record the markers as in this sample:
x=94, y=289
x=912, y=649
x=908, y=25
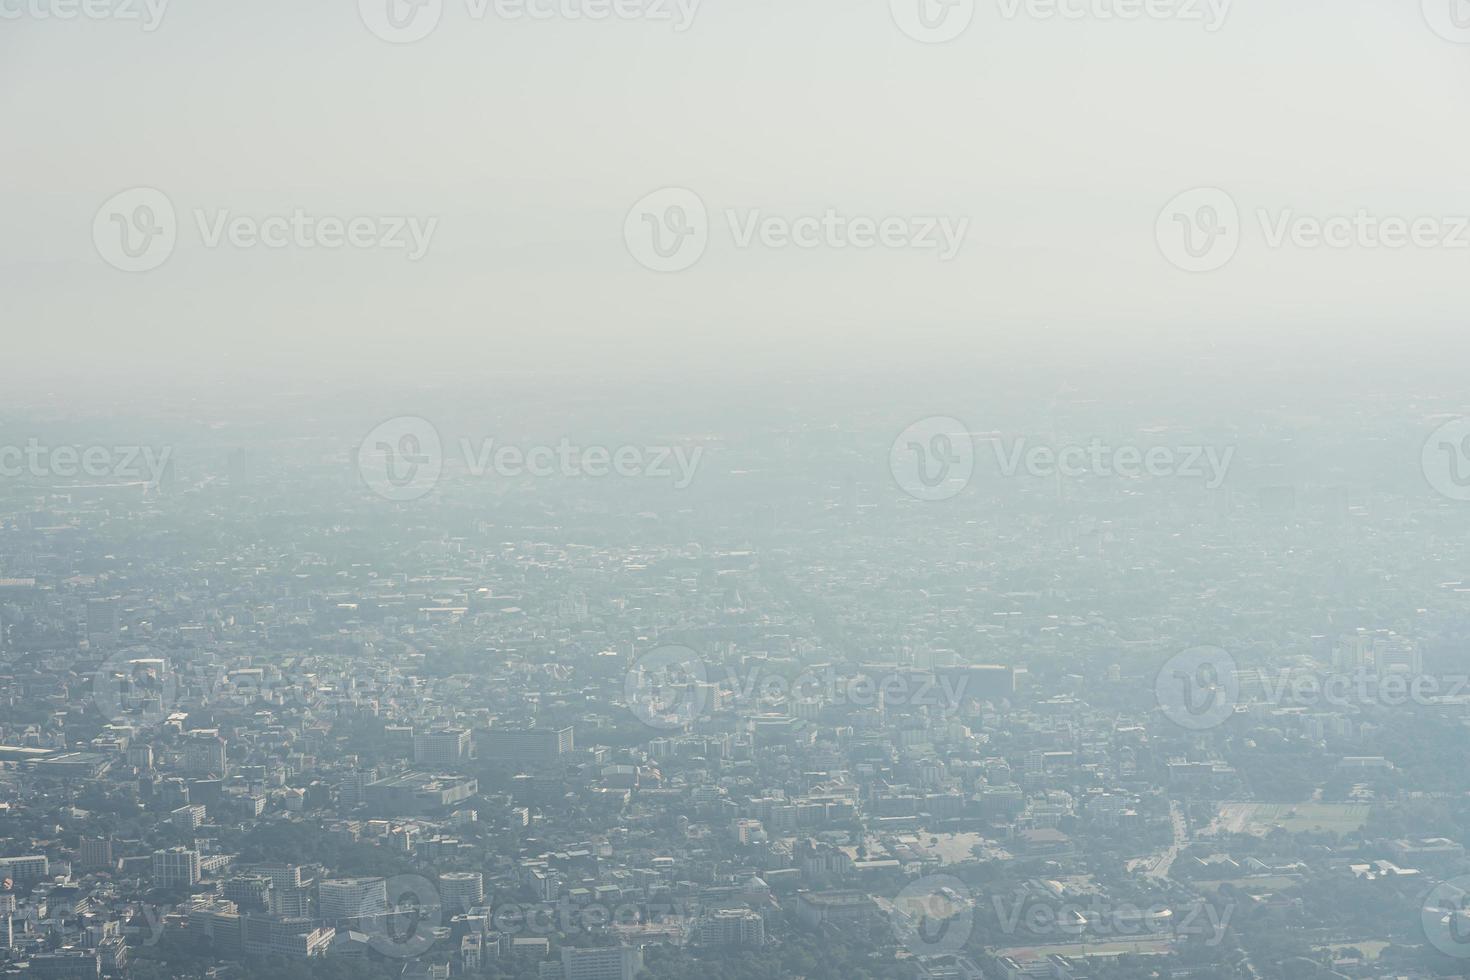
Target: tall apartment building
x=25, y=870
x=354, y=787
x=95, y=853
x=733, y=927
x=204, y=755
x=250, y=893
x=351, y=898
x=282, y=876
x=534, y=745
x=176, y=867
x=104, y=620
x=190, y=817
x=260, y=935
x=68, y=964
x=443, y=748
x=601, y=963
x=460, y=891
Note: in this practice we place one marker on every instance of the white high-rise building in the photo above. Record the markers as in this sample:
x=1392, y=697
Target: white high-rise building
x=176, y=867
x=445, y=748
x=733, y=927
x=351, y=898
x=460, y=891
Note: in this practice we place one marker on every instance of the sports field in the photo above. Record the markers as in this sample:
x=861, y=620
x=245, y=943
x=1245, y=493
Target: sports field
x=1294, y=818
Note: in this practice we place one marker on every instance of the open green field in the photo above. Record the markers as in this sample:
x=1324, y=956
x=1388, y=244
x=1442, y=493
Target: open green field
x=1259, y=885
x=1370, y=948
x=1141, y=948
x=1295, y=818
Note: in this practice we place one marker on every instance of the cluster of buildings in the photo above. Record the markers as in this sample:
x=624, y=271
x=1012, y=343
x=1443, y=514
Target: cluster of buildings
x=584, y=737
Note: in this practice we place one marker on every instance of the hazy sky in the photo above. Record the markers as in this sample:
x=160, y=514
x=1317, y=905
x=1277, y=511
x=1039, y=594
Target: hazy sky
x=1058, y=140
